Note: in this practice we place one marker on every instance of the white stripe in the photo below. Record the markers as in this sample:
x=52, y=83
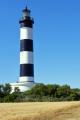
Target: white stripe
x=26, y=33
x=26, y=57
x=26, y=79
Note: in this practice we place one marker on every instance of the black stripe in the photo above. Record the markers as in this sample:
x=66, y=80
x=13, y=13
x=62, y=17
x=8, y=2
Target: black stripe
x=26, y=23
x=26, y=70
x=26, y=81
x=26, y=45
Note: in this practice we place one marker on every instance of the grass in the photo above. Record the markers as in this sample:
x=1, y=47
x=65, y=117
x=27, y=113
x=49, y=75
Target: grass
x=40, y=111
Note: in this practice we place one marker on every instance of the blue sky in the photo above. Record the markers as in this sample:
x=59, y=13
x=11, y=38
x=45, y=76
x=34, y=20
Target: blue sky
x=56, y=40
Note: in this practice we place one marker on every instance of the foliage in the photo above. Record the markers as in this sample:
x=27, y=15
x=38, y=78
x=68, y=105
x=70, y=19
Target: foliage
x=39, y=93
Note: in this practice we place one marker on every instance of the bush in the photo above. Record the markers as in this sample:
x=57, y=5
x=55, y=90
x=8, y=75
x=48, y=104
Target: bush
x=39, y=93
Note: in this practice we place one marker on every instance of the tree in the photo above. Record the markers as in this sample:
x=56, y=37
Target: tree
x=38, y=90
x=16, y=95
x=16, y=90
x=52, y=89
x=6, y=89
x=1, y=91
x=63, y=91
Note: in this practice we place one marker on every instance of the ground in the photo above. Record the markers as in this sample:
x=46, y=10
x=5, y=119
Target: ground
x=40, y=111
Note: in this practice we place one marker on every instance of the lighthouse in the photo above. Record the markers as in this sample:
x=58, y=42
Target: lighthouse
x=26, y=77
x=26, y=47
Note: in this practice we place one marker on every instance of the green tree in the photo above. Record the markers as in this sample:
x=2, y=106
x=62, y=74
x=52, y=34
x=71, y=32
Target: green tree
x=6, y=89
x=38, y=90
x=63, y=91
x=16, y=95
x=52, y=89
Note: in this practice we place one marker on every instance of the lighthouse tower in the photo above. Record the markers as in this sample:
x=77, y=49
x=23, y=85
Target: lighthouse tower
x=26, y=48
x=26, y=77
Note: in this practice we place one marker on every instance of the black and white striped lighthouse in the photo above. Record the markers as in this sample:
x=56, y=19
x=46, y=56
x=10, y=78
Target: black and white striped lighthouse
x=26, y=77
x=26, y=47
